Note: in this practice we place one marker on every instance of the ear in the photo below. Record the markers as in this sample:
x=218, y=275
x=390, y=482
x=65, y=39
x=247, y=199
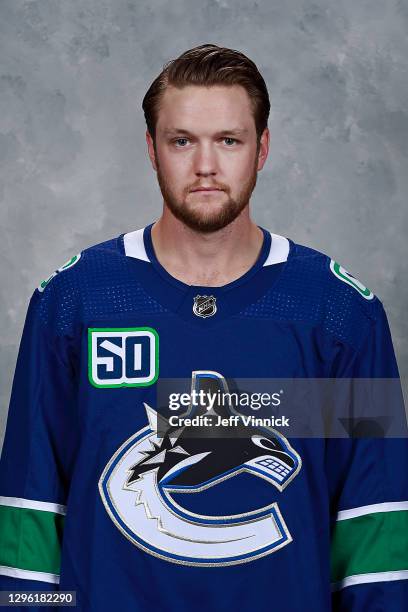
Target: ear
x=150, y=150
x=263, y=148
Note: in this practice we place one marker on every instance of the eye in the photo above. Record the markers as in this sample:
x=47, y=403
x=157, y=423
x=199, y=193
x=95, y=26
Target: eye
x=183, y=141
x=227, y=138
x=266, y=443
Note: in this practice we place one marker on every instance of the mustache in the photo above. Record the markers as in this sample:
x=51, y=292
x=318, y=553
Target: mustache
x=215, y=186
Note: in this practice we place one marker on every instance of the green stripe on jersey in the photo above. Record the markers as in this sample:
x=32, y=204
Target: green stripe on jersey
x=31, y=539
x=376, y=542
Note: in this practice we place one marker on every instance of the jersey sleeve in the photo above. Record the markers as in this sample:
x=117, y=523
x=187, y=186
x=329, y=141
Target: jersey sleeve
x=368, y=484
x=38, y=454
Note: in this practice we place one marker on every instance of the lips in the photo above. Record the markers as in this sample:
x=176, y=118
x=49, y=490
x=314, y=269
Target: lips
x=206, y=189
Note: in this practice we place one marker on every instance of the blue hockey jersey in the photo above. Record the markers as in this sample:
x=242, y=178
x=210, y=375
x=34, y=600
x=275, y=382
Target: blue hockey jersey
x=104, y=493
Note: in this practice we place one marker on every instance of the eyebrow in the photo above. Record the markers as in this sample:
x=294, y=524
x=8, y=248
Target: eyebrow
x=233, y=131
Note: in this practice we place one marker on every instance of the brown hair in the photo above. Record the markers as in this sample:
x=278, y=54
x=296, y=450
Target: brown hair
x=210, y=65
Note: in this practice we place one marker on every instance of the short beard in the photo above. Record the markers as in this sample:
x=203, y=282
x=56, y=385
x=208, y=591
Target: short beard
x=197, y=222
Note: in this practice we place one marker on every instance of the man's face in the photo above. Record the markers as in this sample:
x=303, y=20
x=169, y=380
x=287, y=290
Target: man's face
x=206, y=138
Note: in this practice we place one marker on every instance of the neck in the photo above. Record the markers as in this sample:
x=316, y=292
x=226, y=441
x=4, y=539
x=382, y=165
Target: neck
x=212, y=259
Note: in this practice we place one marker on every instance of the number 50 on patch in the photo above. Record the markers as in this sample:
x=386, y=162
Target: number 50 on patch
x=123, y=357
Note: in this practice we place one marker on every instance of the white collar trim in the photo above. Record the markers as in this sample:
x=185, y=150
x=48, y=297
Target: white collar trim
x=279, y=250
x=134, y=247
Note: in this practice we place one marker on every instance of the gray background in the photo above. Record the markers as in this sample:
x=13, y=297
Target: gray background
x=73, y=162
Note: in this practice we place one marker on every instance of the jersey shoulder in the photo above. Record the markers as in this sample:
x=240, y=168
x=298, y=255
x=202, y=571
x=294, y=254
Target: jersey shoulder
x=100, y=251
x=313, y=289
x=343, y=304
x=313, y=261
x=95, y=282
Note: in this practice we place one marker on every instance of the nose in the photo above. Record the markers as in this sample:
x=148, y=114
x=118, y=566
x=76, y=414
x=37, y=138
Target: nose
x=205, y=160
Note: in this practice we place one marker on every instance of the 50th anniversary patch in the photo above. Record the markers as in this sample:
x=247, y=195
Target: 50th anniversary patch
x=123, y=356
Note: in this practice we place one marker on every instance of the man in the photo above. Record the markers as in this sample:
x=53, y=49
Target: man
x=137, y=503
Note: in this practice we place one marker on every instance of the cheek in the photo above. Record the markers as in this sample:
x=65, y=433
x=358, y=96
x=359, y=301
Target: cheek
x=177, y=180
x=241, y=168
x=174, y=168
x=239, y=160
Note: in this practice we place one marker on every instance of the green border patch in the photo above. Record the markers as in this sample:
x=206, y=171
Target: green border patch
x=109, y=385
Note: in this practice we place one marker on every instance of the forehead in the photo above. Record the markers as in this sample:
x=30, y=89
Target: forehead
x=194, y=107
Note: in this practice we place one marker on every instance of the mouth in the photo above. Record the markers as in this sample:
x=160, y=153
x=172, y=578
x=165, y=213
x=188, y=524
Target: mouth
x=206, y=190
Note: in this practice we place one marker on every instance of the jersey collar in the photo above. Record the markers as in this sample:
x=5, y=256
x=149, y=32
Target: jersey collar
x=139, y=245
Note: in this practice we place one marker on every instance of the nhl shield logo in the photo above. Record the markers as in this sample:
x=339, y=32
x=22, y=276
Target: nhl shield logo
x=204, y=306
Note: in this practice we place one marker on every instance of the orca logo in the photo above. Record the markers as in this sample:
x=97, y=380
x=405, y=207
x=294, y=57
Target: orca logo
x=153, y=485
